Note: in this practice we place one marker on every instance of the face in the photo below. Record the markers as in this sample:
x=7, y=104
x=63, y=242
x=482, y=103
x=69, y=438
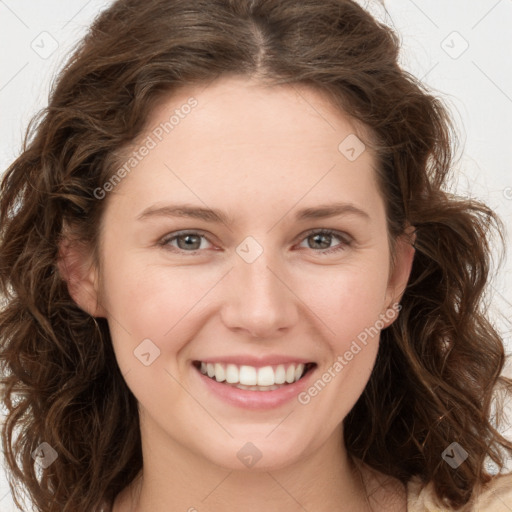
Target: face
x=267, y=283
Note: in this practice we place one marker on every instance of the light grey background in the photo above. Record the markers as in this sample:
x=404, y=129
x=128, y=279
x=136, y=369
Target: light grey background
x=460, y=49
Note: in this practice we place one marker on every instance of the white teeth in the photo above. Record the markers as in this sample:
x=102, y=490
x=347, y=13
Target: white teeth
x=265, y=378
x=248, y=376
x=280, y=375
x=232, y=374
x=299, y=371
x=290, y=374
x=220, y=374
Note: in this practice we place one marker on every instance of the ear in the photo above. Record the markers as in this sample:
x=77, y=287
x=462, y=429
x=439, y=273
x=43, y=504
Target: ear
x=75, y=264
x=400, y=272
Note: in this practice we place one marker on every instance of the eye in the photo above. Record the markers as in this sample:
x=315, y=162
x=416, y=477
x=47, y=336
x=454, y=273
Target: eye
x=189, y=241
x=323, y=238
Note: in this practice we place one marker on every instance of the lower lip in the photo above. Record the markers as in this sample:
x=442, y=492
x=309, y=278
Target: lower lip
x=248, y=399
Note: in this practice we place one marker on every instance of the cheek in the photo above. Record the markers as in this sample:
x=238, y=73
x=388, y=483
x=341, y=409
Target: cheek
x=149, y=310
x=152, y=302
x=349, y=304
x=347, y=299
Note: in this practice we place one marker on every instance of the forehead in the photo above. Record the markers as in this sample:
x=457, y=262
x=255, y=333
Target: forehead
x=236, y=139
x=236, y=109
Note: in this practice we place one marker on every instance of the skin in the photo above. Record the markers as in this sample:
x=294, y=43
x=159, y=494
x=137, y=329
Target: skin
x=258, y=154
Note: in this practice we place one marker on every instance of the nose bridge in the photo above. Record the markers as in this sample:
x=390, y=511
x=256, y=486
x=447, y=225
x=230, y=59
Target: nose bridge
x=260, y=301
x=260, y=281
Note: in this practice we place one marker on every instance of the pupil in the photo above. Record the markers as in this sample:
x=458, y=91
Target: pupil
x=320, y=236
x=187, y=240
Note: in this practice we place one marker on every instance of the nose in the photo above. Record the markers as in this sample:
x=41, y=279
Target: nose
x=261, y=298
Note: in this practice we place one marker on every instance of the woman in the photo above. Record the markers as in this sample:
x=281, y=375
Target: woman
x=174, y=338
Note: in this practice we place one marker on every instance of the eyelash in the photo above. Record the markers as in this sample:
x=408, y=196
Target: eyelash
x=164, y=242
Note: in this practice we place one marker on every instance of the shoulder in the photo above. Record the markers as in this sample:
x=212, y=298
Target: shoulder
x=495, y=496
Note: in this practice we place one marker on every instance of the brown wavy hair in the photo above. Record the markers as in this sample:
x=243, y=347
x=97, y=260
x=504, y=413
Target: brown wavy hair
x=438, y=364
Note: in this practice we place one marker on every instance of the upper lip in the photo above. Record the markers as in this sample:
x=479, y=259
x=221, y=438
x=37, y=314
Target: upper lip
x=257, y=362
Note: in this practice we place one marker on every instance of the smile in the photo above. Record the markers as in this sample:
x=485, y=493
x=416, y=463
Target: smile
x=266, y=378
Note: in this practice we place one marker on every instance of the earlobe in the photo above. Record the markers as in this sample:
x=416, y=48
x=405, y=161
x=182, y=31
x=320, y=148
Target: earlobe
x=399, y=277
x=77, y=270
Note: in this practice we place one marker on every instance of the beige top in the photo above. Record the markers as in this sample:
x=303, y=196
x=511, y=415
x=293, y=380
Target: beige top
x=496, y=496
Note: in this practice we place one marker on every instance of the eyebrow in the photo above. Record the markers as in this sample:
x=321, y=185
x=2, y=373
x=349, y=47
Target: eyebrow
x=217, y=216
